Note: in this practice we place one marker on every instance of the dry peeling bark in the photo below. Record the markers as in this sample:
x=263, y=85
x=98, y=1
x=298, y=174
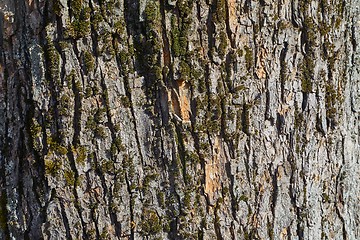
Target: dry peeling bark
x=179, y=119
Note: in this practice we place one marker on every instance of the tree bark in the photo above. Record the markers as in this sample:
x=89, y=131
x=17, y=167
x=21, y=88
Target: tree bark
x=179, y=119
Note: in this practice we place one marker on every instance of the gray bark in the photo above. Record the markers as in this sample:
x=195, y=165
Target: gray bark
x=187, y=119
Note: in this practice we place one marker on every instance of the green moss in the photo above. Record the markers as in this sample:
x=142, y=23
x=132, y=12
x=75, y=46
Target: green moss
x=75, y=7
x=118, y=144
x=213, y=126
x=179, y=34
x=306, y=85
x=61, y=149
x=64, y=107
x=107, y=166
x=35, y=133
x=225, y=191
x=119, y=27
x=275, y=17
x=88, y=92
x=123, y=56
x=310, y=30
x=117, y=127
x=100, y=132
x=184, y=7
x=69, y=78
x=240, y=52
x=57, y=7
x=108, y=47
x=81, y=155
x=325, y=198
x=250, y=234
x=157, y=71
x=55, y=146
x=246, y=118
x=166, y=226
x=148, y=178
x=91, y=233
x=89, y=61
x=152, y=13
x=308, y=64
x=99, y=114
x=283, y=24
x=184, y=70
x=187, y=200
x=299, y=119
x=192, y=157
x=126, y=101
x=248, y=58
x=220, y=13
x=270, y=229
x=64, y=45
x=148, y=48
x=80, y=26
x=204, y=146
x=78, y=86
x=330, y=101
x=244, y=198
x=161, y=199
x=53, y=61
x=52, y=166
x=104, y=234
x=78, y=29
x=113, y=149
x=150, y=222
x=90, y=123
x=324, y=28
x=69, y=177
x=339, y=8
x=96, y=19
x=307, y=74
x=223, y=44
x=175, y=35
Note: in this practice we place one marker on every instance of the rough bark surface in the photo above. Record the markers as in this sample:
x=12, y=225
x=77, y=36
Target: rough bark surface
x=179, y=119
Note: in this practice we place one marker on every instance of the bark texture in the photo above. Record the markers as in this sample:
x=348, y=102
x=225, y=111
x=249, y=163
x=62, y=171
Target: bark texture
x=179, y=119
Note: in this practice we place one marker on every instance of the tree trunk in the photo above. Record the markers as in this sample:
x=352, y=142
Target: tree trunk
x=179, y=119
